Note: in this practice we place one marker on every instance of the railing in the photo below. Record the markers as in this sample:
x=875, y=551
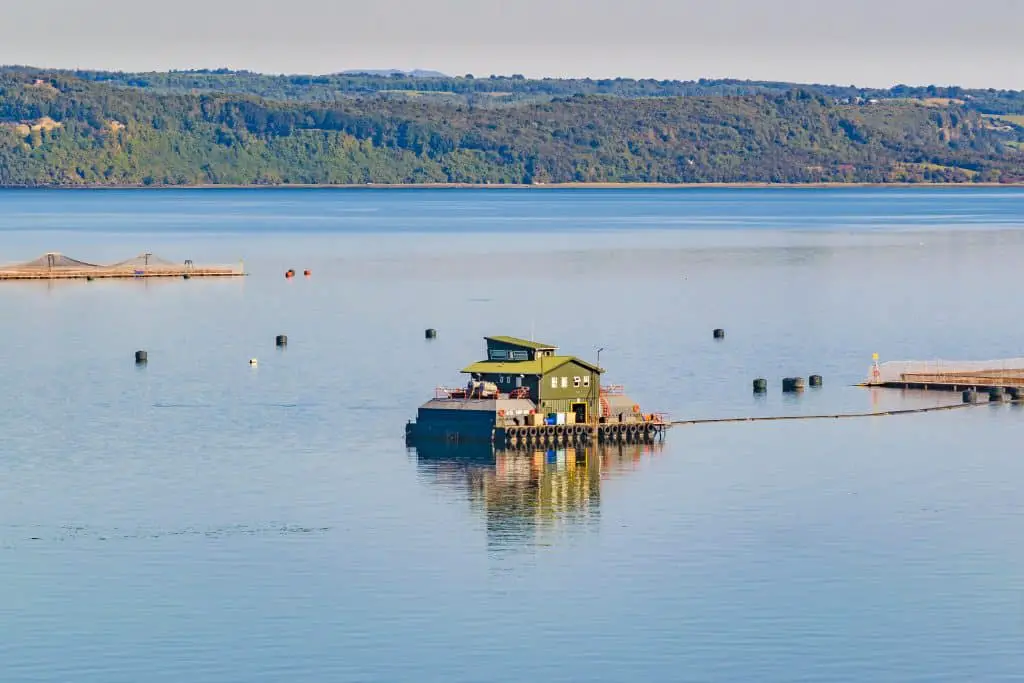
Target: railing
x=461, y=392
x=968, y=379
x=613, y=390
x=448, y=392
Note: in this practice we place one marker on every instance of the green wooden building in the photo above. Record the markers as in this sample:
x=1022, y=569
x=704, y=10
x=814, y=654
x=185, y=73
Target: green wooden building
x=556, y=383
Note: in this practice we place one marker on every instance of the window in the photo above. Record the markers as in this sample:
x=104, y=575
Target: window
x=586, y=380
x=576, y=382
x=554, y=382
x=519, y=381
x=565, y=382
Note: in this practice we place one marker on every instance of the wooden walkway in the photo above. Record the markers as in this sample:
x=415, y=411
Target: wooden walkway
x=56, y=266
x=121, y=273
x=953, y=381
x=1003, y=374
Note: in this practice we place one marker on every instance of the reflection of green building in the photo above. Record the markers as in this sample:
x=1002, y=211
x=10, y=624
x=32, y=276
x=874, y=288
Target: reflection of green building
x=556, y=383
x=525, y=493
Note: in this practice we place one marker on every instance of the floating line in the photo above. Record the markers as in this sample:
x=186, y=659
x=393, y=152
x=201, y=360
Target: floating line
x=776, y=418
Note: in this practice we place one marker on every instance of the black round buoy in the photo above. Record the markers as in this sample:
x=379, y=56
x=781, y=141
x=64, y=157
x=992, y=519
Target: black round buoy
x=141, y=357
x=760, y=385
x=281, y=340
x=814, y=380
x=89, y=278
x=792, y=384
x=719, y=333
x=430, y=333
x=970, y=396
x=186, y=276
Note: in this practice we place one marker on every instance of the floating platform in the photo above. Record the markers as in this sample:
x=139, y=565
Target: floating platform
x=56, y=266
x=1005, y=374
x=503, y=423
x=525, y=395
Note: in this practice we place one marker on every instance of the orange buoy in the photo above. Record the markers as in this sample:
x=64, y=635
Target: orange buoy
x=289, y=273
x=307, y=273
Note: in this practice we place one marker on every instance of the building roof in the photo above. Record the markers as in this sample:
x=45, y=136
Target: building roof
x=526, y=367
x=525, y=343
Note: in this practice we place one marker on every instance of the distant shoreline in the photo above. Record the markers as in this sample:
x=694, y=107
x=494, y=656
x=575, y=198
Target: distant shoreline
x=515, y=186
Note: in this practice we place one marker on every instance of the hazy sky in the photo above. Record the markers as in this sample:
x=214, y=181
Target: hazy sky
x=866, y=42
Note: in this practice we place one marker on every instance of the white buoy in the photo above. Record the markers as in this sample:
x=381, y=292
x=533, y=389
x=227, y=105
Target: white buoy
x=253, y=362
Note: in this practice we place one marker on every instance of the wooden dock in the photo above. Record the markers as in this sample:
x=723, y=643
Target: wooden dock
x=56, y=266
x=1004, y=374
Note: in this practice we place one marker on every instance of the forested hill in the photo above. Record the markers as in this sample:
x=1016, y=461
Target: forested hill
x=58, y=129
x=495, y=90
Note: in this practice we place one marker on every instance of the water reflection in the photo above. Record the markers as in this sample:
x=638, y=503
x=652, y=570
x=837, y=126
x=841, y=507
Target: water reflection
x=529, y=497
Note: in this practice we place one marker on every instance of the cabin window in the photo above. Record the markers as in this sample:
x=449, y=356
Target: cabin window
x=586, y=380
x=519, y=381
x=565, y=382
x=576, y=382
x=554, y=382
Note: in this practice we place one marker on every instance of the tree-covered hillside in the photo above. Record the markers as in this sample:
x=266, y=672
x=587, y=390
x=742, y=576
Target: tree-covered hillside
x=497, y=90
x=57, y=129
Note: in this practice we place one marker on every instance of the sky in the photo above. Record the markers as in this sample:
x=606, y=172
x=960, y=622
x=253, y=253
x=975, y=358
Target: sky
x=863, y=42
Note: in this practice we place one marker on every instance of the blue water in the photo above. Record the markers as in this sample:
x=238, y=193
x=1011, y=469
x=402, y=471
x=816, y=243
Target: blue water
x=203, y=520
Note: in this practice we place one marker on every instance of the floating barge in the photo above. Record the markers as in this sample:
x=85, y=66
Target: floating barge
x=524, y=395
x=56, y=266
x=1006, y=375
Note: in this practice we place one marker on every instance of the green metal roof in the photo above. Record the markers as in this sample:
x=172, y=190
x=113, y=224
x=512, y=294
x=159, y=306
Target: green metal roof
x=525, y=343
x=526, y=367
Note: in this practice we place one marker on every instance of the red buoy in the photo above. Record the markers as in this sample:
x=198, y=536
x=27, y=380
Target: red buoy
x=307, y=273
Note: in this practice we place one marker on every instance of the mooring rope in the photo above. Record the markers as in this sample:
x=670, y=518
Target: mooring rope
x=837, y=416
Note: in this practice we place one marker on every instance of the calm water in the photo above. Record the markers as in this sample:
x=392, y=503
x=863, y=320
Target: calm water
x=201, y=520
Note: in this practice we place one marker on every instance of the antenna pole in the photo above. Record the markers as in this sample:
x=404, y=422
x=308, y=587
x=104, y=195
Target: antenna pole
x=597, y=401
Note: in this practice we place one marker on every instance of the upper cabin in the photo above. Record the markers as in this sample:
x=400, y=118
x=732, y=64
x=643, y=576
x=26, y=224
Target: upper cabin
x=515, y=349
x=555, y=383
